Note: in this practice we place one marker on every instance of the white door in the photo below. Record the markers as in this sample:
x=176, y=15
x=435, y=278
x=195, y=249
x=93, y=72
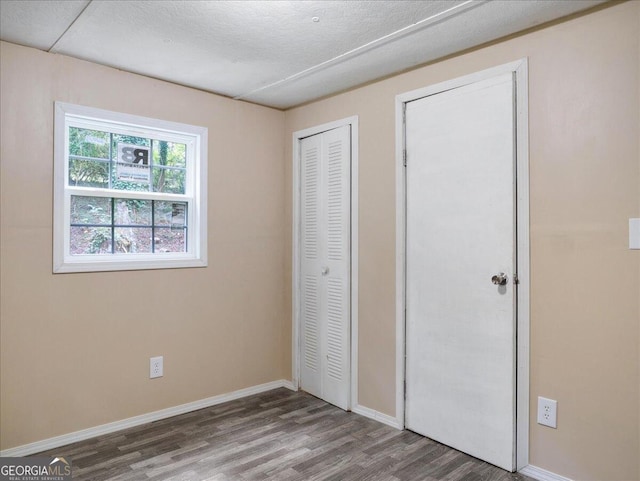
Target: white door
x=325, y=259
x=460, y=325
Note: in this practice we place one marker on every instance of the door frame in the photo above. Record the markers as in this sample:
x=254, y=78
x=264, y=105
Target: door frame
x=520, y=70
x=353, y=249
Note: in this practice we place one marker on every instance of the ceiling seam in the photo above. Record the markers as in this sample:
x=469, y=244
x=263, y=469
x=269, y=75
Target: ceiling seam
x=421, y=24
x=70, y=25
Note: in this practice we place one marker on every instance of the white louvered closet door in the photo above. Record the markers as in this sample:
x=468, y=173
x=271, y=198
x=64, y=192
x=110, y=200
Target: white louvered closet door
x=325, y=265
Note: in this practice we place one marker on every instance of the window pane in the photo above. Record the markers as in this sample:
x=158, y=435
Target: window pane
x=90, y=240
x=88, y=173
x=170, y=240
x=173, y=214
x=88, y=143
x=132, y=163
x=124, y=184
x=129, y=139
x=169, y=154
x=131, y=186
x=132, y=240
x=90, y=210
x=168, y=180
x=132, y=212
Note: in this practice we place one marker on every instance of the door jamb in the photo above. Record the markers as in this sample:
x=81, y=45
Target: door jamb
x=520, y=69
x=295, y=281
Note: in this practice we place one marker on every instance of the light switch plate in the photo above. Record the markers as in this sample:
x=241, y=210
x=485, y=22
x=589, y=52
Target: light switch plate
x=634, y=233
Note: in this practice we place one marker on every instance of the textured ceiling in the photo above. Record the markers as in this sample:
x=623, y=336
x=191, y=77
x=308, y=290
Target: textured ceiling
x=275, y=53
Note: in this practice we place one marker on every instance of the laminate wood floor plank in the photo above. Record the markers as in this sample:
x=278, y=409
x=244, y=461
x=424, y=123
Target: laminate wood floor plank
x=279, y=435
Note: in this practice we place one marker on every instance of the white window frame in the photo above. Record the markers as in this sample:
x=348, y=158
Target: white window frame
x=194, y=137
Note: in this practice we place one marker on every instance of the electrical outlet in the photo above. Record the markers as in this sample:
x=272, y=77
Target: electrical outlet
x=156, y=368
x=547, y=412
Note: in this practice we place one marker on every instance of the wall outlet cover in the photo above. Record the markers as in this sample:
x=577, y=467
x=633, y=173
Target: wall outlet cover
x=547, y=412
x=156, y=367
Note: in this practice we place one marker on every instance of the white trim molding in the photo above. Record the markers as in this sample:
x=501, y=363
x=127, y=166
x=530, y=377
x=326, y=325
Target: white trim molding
x=541, y=474
x=520, y=71
x=88, y=433
x=289, y=385
x=295, y=335
x=377, y=416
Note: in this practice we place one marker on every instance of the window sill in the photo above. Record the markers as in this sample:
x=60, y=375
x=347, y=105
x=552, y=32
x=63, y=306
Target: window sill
x=130, y=263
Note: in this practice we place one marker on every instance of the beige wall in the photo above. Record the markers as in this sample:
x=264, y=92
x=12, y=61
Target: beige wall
x=585, y=185
x=75, y=348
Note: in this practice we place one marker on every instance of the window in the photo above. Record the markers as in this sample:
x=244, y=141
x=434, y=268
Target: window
x=129, y=192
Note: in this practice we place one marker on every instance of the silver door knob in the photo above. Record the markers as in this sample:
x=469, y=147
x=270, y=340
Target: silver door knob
x=499, y=279
x=325, y=271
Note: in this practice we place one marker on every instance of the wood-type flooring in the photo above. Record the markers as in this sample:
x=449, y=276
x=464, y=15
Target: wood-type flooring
x=278, y=435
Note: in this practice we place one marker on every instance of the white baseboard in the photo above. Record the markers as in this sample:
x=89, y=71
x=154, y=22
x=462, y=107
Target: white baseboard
x=541, y=474
x=76, y=436
x=289, y=385
x=378, y=416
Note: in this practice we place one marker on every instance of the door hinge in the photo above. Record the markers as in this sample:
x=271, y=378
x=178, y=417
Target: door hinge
x=516, y=280
x=404, y=157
